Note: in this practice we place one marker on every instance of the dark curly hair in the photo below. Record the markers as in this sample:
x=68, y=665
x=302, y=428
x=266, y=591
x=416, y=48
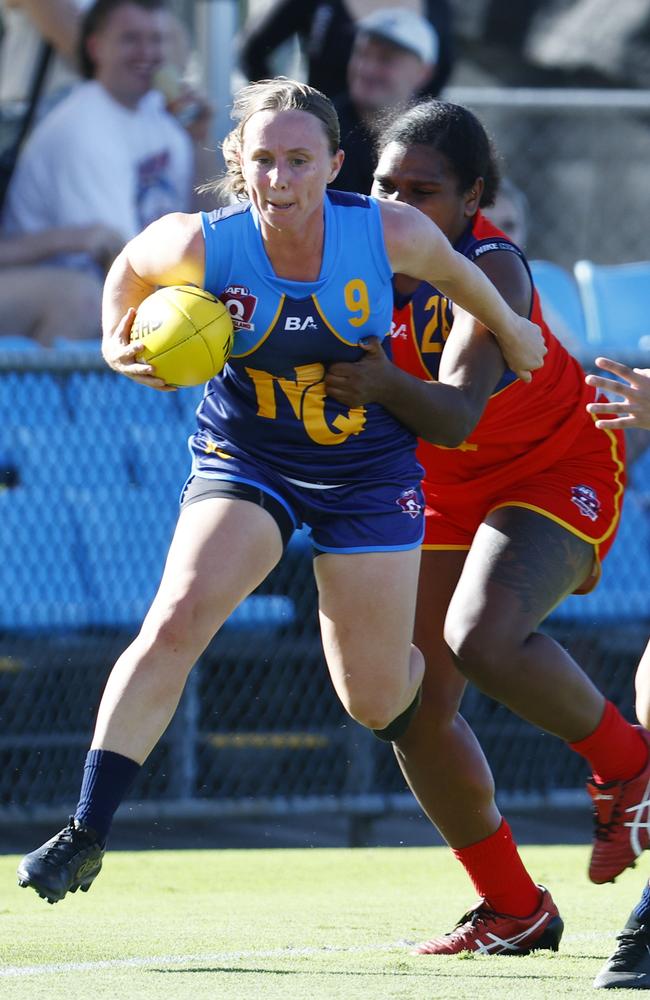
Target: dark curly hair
x=456, y=133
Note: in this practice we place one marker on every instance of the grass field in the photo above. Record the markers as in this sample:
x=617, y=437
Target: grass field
x=292, y=924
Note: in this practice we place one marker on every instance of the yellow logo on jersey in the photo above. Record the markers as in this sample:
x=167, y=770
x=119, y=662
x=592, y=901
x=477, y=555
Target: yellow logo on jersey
x=307, y=397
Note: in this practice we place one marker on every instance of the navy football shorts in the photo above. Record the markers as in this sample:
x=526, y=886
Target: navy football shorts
x=366, y=516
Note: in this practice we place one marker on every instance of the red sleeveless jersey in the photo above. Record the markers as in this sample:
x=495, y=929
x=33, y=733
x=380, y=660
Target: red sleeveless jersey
x=526, y=431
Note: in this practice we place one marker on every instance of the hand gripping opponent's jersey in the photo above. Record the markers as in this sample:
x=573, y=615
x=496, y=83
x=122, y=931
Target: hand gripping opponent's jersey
x=524, y=427
x=269, y=402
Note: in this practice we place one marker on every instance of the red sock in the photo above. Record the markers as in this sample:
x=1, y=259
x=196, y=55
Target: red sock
x=616, y=750
x=498, y=874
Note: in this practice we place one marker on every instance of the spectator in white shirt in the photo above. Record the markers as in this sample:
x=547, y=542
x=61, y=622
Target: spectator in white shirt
x=109, y=153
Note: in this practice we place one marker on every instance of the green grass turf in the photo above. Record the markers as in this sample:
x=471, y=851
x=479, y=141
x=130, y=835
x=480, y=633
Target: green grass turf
x=293, y=924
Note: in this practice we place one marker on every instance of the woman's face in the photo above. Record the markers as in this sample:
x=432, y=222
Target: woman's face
x=422, y=177
x=287, y=164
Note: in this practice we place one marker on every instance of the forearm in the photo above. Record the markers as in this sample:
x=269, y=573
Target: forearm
x=436, y=412
x=32, y=248
x=57, y=21
x=467, y=286
x=418, y=248
x=123, y=289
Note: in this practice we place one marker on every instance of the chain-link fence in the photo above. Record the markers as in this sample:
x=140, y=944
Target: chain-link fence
x=86, y=521
x=581, y=159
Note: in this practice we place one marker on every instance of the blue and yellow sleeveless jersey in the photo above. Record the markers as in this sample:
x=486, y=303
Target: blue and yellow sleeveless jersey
x=269, y=402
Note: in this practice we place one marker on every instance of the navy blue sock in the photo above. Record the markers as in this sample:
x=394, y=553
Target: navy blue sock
x=642, y=909
x=107, y=778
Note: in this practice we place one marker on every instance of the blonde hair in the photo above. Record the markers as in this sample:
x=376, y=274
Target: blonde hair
x=279, y=94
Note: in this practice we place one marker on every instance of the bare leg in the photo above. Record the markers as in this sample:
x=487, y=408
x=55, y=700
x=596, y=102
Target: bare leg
x=367, y=606
x=439, y=755
x=221, y=551
x=520, y=566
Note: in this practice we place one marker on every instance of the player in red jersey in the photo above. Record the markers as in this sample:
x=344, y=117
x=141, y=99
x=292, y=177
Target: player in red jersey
x=629, y=966
x=523, y=498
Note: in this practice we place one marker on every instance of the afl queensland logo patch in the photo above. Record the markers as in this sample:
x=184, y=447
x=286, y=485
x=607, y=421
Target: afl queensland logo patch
x=241, y=304
x=586, y=500
x=409, y=501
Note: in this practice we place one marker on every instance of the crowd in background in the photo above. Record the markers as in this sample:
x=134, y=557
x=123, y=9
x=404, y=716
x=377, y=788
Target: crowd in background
x=104, y=126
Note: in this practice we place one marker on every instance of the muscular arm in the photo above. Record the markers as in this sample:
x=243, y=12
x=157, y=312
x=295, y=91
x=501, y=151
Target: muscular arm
x=56, y=20
x=170, y=251
x=446, y=411
x=443, y=412
x=417, y=247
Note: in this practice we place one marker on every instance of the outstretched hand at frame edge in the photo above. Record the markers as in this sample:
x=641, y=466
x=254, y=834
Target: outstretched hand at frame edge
x=633, y=410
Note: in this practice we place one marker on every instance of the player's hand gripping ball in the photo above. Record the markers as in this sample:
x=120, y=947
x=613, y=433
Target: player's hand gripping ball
x=187, y=334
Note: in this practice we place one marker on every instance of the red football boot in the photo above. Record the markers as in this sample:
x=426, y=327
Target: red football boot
x=621, y=823
x=488, y=933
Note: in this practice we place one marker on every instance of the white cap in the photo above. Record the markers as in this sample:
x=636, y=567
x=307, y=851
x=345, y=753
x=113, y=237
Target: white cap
x=404, y=28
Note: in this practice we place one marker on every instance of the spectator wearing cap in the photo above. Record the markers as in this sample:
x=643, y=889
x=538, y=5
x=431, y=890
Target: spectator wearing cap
x=393, y=57
x=325, y=31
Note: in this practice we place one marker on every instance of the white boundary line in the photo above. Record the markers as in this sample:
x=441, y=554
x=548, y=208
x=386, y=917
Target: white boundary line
x=18, y=971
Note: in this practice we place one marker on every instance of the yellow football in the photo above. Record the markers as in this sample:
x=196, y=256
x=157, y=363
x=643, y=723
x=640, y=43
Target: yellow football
x=187, y=334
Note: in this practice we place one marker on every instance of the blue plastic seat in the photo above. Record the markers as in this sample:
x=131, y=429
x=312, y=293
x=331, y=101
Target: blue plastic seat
x=561, y=304
x=622, y=594
x=188, y=399
x=160, y=456
x=41, y=570
x=17, y=342
x=109, y=400
x=300, y=541
x=125, y=535
x=616, y=303
x=85, y=346
x=639, y=473
x=65, y=455
x=31, y=399
x=262, y=611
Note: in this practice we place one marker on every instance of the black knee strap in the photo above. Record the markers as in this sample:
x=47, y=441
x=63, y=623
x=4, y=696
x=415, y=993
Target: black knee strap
x=398, y=726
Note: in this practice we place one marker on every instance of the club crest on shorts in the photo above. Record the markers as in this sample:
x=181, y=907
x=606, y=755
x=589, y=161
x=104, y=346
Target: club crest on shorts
x=586, y=500
x=410, y=503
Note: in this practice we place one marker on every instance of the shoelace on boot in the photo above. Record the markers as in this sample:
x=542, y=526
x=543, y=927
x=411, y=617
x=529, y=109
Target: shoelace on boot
x=479, y=915
x=602, y=829
x=632, y=945
x=67, y=838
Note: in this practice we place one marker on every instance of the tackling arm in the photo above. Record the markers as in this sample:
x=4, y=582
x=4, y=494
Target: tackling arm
x=417, y=247
x=445, y=411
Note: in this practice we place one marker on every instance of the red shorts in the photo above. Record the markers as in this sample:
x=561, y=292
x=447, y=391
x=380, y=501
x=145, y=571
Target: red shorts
x=582, y=491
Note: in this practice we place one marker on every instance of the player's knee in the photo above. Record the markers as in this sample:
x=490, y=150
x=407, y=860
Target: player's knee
x=438, y=710
x=371, y=709
x=398, y=726
x=477, y=650
x=175, y=627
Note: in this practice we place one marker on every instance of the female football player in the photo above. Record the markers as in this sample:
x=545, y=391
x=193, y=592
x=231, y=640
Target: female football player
x=306, y=275
x=523, y=496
